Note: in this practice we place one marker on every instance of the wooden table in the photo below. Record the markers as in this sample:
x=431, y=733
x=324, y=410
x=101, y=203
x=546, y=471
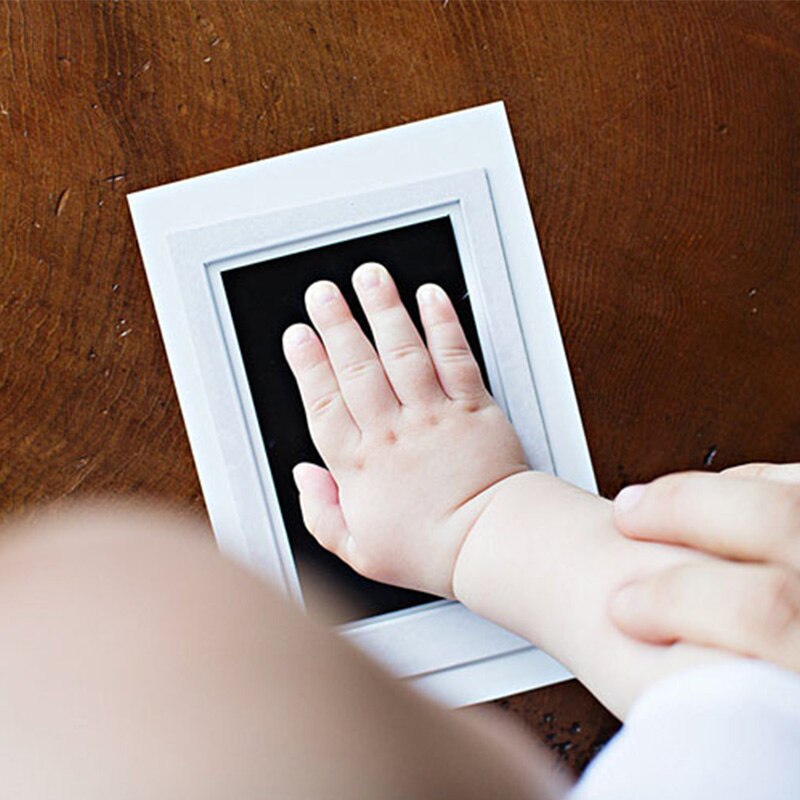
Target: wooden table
x=660, y=145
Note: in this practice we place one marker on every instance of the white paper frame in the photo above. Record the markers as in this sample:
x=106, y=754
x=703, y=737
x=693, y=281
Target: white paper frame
x=462, y=165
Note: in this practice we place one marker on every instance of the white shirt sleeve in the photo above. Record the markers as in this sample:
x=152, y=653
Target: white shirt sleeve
x=728, y=730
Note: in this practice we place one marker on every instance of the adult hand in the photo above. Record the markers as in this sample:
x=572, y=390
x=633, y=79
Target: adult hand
x=747, y=599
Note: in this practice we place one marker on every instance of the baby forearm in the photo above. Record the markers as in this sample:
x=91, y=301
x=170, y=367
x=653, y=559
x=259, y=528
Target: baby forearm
x=542, y=560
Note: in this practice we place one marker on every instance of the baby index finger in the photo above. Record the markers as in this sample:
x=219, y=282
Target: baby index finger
x=332, y=428
x=735, y=518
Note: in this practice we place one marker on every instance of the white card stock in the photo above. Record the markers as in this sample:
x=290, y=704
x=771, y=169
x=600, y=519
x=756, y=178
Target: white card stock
x=228, y=256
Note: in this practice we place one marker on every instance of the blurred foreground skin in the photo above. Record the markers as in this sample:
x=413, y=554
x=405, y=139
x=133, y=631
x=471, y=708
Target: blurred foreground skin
x=137, y=662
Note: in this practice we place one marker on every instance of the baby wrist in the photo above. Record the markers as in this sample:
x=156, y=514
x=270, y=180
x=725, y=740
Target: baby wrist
x=474, y=572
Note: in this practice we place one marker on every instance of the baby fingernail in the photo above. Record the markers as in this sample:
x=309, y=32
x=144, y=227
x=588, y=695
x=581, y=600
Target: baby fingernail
x=322, y=293
x=629, y=497
x=370, y=275
x=431, y=293
x=297, y=335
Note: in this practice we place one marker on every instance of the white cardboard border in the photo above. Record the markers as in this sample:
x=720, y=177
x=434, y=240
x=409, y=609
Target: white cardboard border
x=408, y=641
x=474, y=139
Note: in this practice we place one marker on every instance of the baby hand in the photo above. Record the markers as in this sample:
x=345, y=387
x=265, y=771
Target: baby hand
x=414, y=444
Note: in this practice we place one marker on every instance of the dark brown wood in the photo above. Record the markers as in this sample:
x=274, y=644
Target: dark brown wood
x=660, y=145
x=567, y=720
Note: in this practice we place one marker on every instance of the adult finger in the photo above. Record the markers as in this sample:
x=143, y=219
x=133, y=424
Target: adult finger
x=750, y=609
x=784, y=473
x=731, y=517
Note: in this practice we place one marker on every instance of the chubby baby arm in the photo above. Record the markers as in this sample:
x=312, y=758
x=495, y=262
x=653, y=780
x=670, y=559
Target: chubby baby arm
x=427, y=487
x=414, y=444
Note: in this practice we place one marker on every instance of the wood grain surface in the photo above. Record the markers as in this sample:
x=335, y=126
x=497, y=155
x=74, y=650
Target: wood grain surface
x=660, y=145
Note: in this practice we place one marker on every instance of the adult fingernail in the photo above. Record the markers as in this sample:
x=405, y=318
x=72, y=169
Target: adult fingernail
x=321, y=294
x=370, y=275
x=629, y=497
